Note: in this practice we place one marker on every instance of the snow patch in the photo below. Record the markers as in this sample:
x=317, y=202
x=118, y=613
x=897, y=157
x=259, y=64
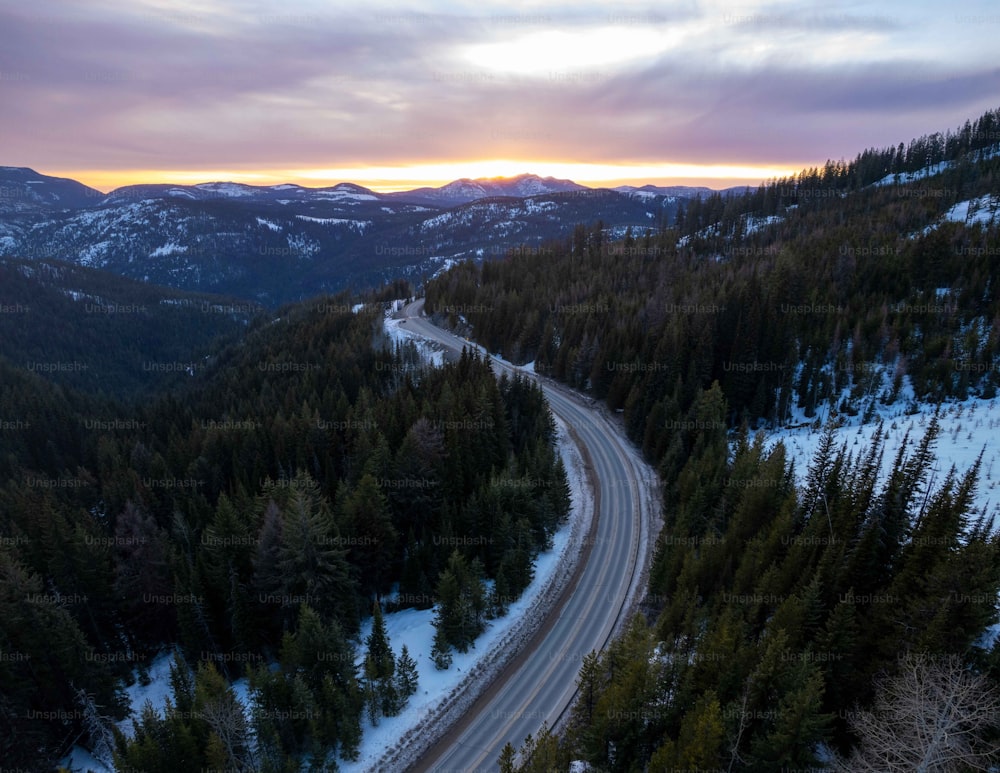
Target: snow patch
x=93, y=253
x=168, y=249
x=982, y=211
x=229, y=190
x=754, y=224
x=157, y=692
x=908, y=177
x=355, y=225
x=967, y=428
x=531, y=206
x=264, y=223
x=302, y=246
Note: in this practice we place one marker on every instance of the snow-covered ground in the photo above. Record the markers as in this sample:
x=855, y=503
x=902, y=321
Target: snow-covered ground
x=157, y=692
x=358, y=225
x=908, y=177
x=265, y=223
x=967, y=428
x=984, y=211
x=754, y=224
x=397, y=331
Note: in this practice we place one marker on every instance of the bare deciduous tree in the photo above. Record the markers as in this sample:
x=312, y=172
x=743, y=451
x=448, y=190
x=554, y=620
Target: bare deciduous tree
x=930, y=718
x=97, y=726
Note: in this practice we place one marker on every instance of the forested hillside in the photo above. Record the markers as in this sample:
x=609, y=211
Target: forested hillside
x=783, y=317
x=283, y=243
x=105, y=334
x=252, y=517
x=787, y=627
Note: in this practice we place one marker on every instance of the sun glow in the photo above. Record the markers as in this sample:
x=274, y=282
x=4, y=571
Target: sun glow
x=595, y=175
x=407, y=176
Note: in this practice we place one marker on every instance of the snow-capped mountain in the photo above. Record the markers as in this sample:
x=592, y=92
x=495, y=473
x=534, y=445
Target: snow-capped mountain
x=466, y=190
x=215, y=191
x=284, y=242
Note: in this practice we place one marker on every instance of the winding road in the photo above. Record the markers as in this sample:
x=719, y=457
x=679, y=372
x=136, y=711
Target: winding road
x=539, y=684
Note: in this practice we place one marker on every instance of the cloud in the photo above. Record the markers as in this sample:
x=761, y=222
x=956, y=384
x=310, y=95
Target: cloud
x=245, y=86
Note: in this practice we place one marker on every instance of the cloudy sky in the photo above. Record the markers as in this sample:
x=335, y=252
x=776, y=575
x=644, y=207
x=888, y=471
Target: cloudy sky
x=393, y=96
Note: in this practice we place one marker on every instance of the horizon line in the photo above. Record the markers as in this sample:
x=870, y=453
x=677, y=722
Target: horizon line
x=396, y=179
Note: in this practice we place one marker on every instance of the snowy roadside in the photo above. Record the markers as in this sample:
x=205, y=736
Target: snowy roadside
x=443, y=696
x=400, y=741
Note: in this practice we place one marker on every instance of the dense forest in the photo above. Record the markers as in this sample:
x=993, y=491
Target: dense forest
x=250, y=518
x=811, y=309
x=787, y=627
x=784, y=624
x=956, y=153
x=104, y=334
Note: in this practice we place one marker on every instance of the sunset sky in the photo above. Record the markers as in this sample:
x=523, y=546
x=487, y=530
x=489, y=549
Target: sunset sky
x=394, y=96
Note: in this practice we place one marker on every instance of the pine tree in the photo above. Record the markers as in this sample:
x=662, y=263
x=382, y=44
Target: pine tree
x=313, y=568
x=798, y=725
x=500, y=597
x=366, y=519
x=142, y=572
x=542, y=753
x=217, y=705
x=380, y=669
x=461, y=602
x=406, y=674
x=701, y=738
x=506, y=762
x=441, y=650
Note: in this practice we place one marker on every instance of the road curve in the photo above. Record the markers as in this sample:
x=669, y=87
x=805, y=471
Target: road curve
x=539, y=685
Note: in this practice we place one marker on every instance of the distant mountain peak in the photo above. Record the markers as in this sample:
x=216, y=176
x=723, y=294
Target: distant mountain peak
x=352, y=187
x=22, y=189
x=467, y=189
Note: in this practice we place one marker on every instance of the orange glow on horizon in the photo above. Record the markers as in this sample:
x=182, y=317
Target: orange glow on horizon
x=385, y=179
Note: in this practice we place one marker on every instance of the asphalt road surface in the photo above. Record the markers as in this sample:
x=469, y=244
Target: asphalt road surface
x=540, y=684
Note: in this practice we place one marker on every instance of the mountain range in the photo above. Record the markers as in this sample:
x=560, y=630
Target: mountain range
x=280, y=243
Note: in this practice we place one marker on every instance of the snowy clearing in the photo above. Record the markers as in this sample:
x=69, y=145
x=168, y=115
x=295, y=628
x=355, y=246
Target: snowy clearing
x=968, y=428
